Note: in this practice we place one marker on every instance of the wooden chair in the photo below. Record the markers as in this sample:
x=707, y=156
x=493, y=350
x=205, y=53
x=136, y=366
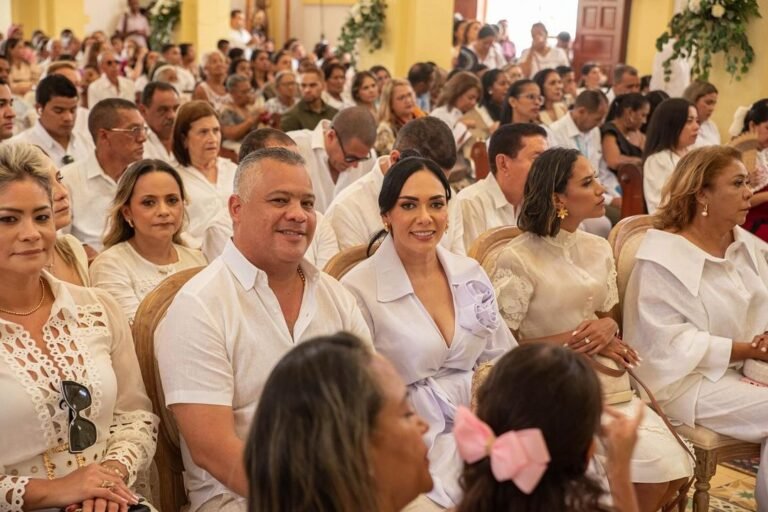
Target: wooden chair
x=486, y=248
x=631, y=180
x=344, y=261
x=710, y=447
x=173, y=495
x=229, y=154
x=479, y=155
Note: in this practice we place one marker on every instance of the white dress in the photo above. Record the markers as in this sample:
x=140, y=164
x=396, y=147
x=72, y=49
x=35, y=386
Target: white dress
x=128, y=277
x=683, y=311
x=549, y=285
x=88, y=341
x=438, y=376
x=656, y=171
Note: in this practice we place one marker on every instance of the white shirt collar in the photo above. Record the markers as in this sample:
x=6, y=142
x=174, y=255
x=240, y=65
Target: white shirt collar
x=249, y=275
x=495, y=192
x=571, y=130
x=317, y=140
x=93, y=168
x=685, y=260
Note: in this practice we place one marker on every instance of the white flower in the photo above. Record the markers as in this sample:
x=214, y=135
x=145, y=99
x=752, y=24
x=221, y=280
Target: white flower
x=358, y=19
x=164, y=11
x=718, y=10
x=355, y=10
x=694, y=6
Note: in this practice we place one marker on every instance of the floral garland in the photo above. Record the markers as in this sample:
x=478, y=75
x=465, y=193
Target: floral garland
x=706, y=27
x=365, y=21
x=163, y=17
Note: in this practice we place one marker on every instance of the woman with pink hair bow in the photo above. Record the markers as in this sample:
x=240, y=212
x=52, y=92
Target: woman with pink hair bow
x=529, y=446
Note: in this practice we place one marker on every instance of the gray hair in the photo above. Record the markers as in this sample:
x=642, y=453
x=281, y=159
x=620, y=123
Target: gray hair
x=251, y=166
x=281, y=74
x=355, y=123
x=623, y=69
x=233, y=80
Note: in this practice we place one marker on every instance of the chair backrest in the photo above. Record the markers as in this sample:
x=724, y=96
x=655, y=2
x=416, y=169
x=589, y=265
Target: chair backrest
x=344, y=261
x=625, y=239
x=631, y=180
x=486, y=248
x=170, y=467
x=479, y=155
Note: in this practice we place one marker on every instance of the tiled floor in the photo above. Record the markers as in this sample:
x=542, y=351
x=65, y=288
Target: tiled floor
x=732, y=491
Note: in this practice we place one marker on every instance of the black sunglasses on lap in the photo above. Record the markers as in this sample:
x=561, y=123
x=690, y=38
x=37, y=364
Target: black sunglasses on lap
x=81, y=431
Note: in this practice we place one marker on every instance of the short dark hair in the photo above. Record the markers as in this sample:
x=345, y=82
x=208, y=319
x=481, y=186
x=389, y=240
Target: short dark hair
x=665, y=125
x=623, y=69
x=235, y=12
x=563, y=70
x=590, y=100
x=167, y=46
x=355, y=123
x=221, y=44
x=378, y=67
x=508, y=140
x=758, y=114
x=549, y=174
x=52, y=86
x=633, y=101
x=431, y=137
x=184, y=48
x=258, y=139
x=330, y=67
x=148, y=94
x=104, y=115
x=421, y=72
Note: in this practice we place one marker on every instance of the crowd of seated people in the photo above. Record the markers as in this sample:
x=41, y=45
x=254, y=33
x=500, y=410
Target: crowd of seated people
x=412, y=380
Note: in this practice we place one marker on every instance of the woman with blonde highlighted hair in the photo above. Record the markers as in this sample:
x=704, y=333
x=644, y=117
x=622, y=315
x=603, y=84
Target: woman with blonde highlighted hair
x=143, y=244
x=397, y=107
x=696, y=304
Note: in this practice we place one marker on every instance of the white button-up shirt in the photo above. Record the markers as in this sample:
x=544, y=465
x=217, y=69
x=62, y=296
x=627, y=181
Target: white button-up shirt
x=656, y=171
x=91, y=192
x=565, y=134
x=205, y=200
x=223, y=334
x=102, y=89
x=154, y=148
x=484, y=207
x=709, y=134
x=355, y=218
x=79, y=148
x=311, y=144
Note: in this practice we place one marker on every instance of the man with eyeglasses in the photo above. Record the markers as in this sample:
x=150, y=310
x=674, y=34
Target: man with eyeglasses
x=337, y=152
x=159, y=104
x=311, y=109
x=119, y=132
x=7, y=114
x=56, y=100
x=110, y=84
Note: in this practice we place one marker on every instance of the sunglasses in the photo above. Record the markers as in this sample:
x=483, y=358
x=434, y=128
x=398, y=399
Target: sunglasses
x=350, y=159
x=82, y=432
x=67, y=159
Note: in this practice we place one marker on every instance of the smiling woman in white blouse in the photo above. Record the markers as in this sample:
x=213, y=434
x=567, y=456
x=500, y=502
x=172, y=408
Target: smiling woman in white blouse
x=76, y=427
x=142, y=244
x=556, y=284
x=432, y=313
x=697, y=303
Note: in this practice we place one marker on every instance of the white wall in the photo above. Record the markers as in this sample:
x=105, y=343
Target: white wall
x=5, y=14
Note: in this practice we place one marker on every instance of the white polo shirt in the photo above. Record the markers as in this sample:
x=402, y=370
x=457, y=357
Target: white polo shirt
x=311, y=144
x=102, y=89
x=224, y=333
x=91, y=192
x=355, y=218
x=484, y=207
x=79, y=148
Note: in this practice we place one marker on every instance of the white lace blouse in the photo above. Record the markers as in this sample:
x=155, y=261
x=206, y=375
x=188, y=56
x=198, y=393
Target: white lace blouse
x=128, y=277
x=88, y=341
x=549, y=285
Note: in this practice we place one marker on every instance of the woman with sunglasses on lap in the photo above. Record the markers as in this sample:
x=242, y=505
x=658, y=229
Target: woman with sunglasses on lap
x=76, y=427
x=142, y=246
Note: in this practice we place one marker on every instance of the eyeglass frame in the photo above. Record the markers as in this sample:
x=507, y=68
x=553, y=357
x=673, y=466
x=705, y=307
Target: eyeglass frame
x=349, y=159
x=74, y=416
x=134, y=132
x=540, y=99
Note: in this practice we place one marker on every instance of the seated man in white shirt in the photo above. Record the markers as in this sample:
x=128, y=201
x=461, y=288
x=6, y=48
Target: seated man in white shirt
x=56, y=102
x=68, y=69
x=118, y=132
x=495, y=201
x=110, y=84
x=172, y=56
x=580, y=129
x=355, y=215
x=7, y=114
x=625, y=80
x=159, y=103
x=231, y=323
x=337, y=152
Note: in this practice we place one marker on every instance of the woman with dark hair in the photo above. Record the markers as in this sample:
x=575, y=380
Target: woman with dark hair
x=570, y=87
x=143, y=244
x=591, y=78
x=696, y=304
x=431, y=312
x=560, y=193
x=551, y=87
x=21, y=77
x=672, y=131
x=240, y=66
x=495, y=85
x=484, y=49
x=655, y=98
x=261, y=67
x=703, y=96
x=522, y=103
x=622, y=139
x=560, y=480
x=365, y=91
x=459, y=96
x=334, y=432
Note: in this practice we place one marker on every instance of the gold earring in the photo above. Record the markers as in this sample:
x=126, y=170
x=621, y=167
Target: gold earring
x=705, y=212
x=562, y=212
x=386, y=227
x=129, y=221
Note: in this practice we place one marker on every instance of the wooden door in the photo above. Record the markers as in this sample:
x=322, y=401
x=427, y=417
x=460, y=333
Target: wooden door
x=602, y=29
x=467, y=8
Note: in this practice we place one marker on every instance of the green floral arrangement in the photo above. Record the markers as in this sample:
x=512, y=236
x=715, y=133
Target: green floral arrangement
x=365, y=21
x=164, y=15
x=707, y=27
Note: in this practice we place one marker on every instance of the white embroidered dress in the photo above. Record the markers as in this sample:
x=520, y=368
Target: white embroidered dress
x=549, y=285
x=438, y=376
x=88, y=341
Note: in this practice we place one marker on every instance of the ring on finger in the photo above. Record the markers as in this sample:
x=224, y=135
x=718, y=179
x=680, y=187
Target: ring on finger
x=106, y=484
x=587, y=341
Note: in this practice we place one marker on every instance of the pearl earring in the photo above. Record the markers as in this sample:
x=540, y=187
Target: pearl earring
x=705, y=212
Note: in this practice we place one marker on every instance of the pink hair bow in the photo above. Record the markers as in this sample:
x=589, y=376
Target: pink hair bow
x=520, y=456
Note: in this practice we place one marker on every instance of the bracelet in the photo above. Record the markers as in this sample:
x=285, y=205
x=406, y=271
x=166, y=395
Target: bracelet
x=123, y=477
